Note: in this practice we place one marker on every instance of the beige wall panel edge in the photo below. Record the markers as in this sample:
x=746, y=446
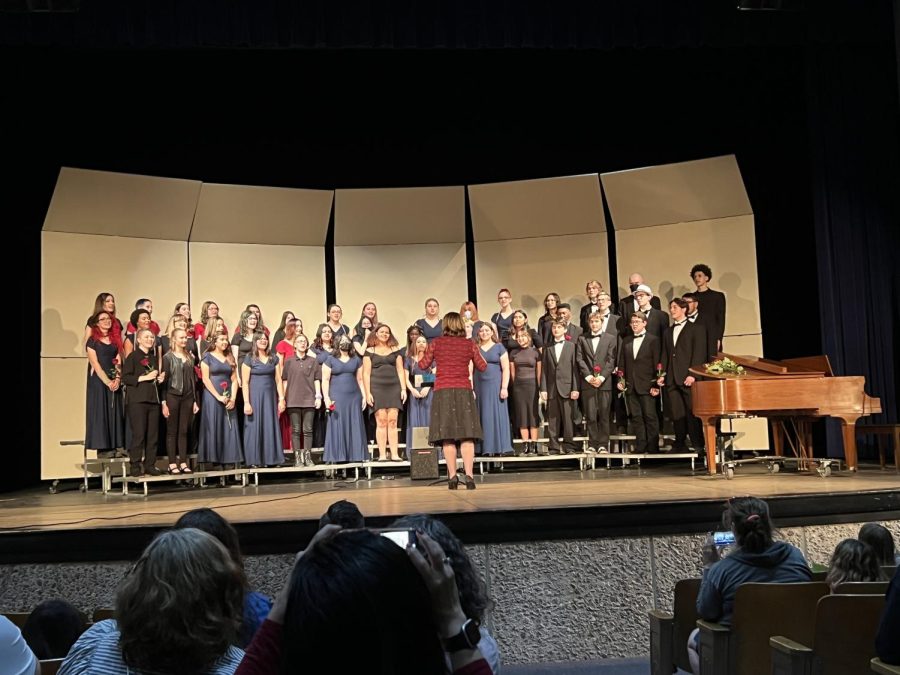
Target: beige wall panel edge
x=656, y=195
x=398, y=279
x=63, y=393
x=664, y=255
x=277, y=278
x=122, y=205
x=531, y=268
x=76, y=267
x=246, y=214
x=536, y=208
x=429, y=215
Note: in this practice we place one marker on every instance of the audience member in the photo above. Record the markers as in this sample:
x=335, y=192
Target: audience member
x=52, y=628
x=343, y=513
x=256, y=605
x=473, y=597
x=882, y=542
x=757, y=558
x=15, y=655
x=887, y=646
x=852, y=560
x=357, y=595
x=178, y=611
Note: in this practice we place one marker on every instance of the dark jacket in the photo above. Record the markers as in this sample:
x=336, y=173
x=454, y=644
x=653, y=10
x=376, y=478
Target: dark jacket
x=781, y=563
x=132, y=369
x=604, y=358
x=887, y=641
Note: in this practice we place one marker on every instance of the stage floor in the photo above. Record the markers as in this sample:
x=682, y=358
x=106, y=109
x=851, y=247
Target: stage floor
x=280, y=499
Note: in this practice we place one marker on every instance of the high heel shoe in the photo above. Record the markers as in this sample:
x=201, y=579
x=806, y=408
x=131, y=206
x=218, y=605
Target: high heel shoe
x=470, y=483
x=185, y=468
x=453, y=483
x=173, y=470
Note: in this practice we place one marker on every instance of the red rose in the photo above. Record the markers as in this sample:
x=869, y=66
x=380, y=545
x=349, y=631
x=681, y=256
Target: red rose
x=659, y=366
x=620, y=372
x=568, y=338
x=145, y=362
x=597, y=369
x=224, y=385
x=331, y=407
x=115, y=361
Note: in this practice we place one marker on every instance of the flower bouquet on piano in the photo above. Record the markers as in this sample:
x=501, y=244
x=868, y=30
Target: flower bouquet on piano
x=724, y=366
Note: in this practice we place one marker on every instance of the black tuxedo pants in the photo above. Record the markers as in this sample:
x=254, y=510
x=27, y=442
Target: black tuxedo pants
x=679, y=399
x=144, y=419
x=596, y=403
x=644, y=422
x=560, y=413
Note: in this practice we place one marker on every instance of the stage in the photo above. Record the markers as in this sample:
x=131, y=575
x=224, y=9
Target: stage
x=518, y=504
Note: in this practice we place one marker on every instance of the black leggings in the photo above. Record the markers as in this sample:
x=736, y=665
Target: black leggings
x=302, y=423
x=178, y=424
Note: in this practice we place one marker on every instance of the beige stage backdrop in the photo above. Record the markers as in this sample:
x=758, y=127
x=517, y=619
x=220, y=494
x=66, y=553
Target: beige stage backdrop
x=397, y=247
x=666, y=219
x=260, y=245
x=538, y=236
x=131, y=236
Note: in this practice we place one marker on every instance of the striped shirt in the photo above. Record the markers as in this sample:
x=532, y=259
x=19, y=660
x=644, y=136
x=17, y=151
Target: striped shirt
x=97, y=653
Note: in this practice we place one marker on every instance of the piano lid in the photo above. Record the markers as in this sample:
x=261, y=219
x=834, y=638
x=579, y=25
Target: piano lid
x=756, y=367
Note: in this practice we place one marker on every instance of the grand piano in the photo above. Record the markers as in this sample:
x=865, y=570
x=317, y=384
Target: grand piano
x=802, y=388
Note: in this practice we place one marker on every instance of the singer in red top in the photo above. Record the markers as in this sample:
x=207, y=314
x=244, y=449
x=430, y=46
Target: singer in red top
x=454, y=417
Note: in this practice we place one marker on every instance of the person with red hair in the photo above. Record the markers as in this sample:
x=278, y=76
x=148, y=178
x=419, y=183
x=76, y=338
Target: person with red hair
x=105, y=405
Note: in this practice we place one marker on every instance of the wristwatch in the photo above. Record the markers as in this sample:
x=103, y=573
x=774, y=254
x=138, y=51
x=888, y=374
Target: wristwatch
x=468, y=637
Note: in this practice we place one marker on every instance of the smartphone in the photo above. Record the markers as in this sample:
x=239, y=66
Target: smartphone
x=722, y=539
x=403, y=538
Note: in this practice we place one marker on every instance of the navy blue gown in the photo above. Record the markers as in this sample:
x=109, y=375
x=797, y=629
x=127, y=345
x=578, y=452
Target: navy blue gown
x=220, y=440
x=105, y=419
x=262, y=433
x=418, y=413
x=346, y=437
x=497, y=439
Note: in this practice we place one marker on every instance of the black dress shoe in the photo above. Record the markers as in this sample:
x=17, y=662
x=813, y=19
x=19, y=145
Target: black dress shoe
x=153, y=471
x=453, y=483
x=470, y=483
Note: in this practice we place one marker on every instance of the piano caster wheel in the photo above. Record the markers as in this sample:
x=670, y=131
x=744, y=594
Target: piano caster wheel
x=729, y=473
x=774, y=467
x=824, y=471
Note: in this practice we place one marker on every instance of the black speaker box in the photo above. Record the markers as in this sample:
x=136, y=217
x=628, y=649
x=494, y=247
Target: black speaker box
x=423, y=458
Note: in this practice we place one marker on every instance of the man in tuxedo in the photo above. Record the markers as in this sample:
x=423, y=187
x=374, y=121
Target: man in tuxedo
x=593, y=289
x=564, y=312
x=559, y=386
x=711, y=303
x=657, y=320
x=638, y=356
x=609, y=322
x=596, y=357
x=628, y=305
x=695, y=317
x=684, y=345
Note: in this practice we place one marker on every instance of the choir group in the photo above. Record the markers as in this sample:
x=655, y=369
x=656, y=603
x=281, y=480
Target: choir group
x=247, y=396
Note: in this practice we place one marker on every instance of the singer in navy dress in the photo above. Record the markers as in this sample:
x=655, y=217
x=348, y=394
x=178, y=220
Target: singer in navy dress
x=491, y=395
x=342, y=388
x=220, y=440
x=105, y=419
x=418, y=413
x=263, y=401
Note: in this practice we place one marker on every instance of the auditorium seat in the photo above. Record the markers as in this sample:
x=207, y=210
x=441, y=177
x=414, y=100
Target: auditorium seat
x=843, y=640
x=861, y=588
x=760, y=611
x=102, y=613
x=50, y=666
x=18, y=618
x=883, y=668
x=669, y=632
x=819, y=575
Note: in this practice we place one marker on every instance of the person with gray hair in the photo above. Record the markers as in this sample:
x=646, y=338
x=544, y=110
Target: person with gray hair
x=473, y=597
x=178, y=611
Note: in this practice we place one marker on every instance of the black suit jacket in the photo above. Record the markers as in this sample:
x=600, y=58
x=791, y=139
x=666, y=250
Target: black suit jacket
x=711, y=347
x=712, y=303
x=572, y=331
x=626, y=306
x=690, y=351
x=640, y=372
x=561, y=374
x=604, y=358
x=657, y=322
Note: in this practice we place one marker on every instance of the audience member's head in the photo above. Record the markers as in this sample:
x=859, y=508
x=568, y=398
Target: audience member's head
x=472, y=594
x=748, y=518
x=358, y=595
x=212, y=523
x=879, y=538
x=179, y=607
x=52, y=628
x=343, y=513
x=853, y=560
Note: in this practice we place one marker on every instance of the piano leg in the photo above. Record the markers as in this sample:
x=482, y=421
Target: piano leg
x=709, y=433
x=777, y=435
x=848, y=427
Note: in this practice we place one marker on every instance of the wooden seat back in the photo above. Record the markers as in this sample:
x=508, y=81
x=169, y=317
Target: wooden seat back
x=861, y=588
x=844, y=640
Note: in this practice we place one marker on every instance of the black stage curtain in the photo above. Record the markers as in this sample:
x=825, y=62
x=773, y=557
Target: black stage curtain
x=855, y=160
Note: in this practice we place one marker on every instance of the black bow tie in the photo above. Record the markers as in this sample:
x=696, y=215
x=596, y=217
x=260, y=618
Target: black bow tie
x=593, y=335
x=559, y=342
x=640, y=336
x=680, y=323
